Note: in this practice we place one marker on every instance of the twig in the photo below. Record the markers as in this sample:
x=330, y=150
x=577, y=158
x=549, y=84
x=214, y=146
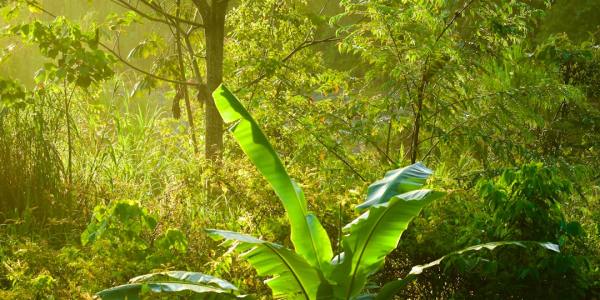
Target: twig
x=158, y=9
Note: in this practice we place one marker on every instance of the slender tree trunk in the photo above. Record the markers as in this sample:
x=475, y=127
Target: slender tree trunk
x=67, y=103
x=184, y=88
x=186, y=96
x=214, y=20
x=414, y=148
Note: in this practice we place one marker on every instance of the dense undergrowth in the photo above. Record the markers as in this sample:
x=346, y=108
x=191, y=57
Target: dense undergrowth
x=101, y=180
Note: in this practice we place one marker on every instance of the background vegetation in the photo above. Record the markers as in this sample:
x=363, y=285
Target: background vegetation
x=113, y=158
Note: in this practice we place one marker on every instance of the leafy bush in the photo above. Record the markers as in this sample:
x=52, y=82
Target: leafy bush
x=526, y=204
x=129, y=228
x=520, y=204
x=120, y=222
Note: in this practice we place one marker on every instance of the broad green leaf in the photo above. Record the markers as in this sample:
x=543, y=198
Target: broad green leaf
x=394, y=183
x=393, y=287
x=293, y=277
x=308, y=235
x=132, y=291
x=192, y=277
x=375, y=234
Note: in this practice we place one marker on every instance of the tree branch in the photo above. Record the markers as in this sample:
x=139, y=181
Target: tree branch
x=306, y=44
x=171, y=17
x=303, y=45
x=157, y=9
x=127, y=5
x=124, y=61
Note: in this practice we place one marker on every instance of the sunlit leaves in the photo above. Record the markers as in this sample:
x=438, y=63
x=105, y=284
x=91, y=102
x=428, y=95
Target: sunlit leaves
x=74, y=53
x=123, y=220
x=12, y=94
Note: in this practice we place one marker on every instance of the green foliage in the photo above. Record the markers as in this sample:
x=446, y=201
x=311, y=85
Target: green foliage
x=345, y=90
x=173, y=241
x=32, y=270
x=393, y=287
x=123, y=221
x=12, y=94
x=127, y=226
x=43, y=284
x=74, y=52
x=366, y=242
x=520, y=204
x=528, y=202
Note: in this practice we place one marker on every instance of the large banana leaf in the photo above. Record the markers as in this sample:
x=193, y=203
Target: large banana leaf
x=376, y=233
x=394, y=183
x=192, y=277
x=132, y=291
x=293, y=277
x=308, y=235
x=393, y=287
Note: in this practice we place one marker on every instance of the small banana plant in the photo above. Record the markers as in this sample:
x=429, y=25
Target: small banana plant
x=311, y=270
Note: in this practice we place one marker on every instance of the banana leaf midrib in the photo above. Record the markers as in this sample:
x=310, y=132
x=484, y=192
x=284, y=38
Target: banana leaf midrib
x=362, y=252
x=312, y=241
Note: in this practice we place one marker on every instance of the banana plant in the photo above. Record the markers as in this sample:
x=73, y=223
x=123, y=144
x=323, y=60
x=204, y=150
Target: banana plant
x=311, y=271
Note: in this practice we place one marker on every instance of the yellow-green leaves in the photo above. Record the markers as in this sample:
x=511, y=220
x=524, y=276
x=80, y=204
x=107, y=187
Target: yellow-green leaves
x=73, y=52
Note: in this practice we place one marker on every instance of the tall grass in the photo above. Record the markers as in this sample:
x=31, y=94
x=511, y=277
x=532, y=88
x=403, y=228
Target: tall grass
x=31, y=170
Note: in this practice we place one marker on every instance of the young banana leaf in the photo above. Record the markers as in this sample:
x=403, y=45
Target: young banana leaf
x=308, y=235
x=193, y=277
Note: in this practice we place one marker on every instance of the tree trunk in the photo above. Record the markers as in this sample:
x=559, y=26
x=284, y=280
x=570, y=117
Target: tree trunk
x=214, y=21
